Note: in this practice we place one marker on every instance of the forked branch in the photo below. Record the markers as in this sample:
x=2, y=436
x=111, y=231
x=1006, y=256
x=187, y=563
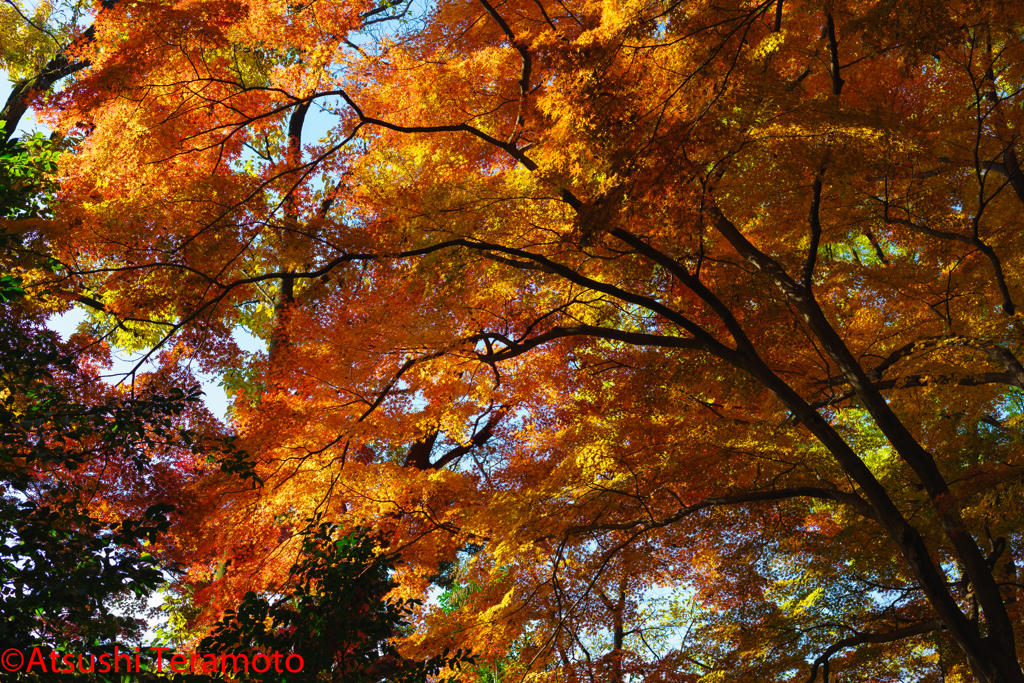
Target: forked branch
x=863, y=638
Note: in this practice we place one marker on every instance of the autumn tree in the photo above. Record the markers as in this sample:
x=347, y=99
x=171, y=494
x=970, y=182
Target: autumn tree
x=707, y=308
x=91, y=471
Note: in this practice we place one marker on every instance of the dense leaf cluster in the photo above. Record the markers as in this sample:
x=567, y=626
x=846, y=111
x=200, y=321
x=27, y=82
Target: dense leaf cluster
x=336, y=616
x=27, y=184
x=61, y=563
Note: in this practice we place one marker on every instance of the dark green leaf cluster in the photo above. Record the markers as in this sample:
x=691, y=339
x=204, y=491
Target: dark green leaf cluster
x=335, y=615
x=27, y=185
x=60, y=567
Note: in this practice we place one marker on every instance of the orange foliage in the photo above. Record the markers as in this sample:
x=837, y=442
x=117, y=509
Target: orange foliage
x=695, y=322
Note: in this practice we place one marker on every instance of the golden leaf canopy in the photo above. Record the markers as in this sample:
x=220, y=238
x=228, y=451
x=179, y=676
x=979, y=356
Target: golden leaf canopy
x=672, y=341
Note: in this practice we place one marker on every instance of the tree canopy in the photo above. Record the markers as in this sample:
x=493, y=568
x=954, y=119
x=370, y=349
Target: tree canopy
x=675, y=341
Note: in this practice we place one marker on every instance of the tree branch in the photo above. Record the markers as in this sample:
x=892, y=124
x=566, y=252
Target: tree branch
x=25, y=91
x=479, y=439
x=524, y=54
x=517, y=348
x=833, y=49
x=815, y=220
x=973, y=380
x=851, y=499
x=975, y=241
x=863, y=638
x=507, y=147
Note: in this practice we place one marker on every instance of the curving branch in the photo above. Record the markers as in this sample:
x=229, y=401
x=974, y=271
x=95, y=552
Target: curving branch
x=25, y=91
x=851, y=499
x=508, y=147
x=524, y=54
x=975, y=241
x=864, y=638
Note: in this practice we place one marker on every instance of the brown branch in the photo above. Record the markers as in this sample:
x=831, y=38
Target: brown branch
x=1011, y=164
x=379, y=10
x=519, y=265
x=1009, y=308
x=704, y=339
x=851, y=499
x=899, y=354
x=863, y=638
x=833, y=49
x=524, y=54
x=1009, y=361
x=25, y=91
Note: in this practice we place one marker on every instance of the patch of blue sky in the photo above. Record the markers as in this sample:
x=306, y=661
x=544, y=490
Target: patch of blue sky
x=123, y=364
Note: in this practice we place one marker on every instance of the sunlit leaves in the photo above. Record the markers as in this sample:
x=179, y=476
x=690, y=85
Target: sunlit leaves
x=502, y=309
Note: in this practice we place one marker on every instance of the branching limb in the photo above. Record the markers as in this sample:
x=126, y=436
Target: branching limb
x=478, y=439
x=524, y=54
x=646, y=524
x=973, y=380
x=517, y=348
x=864, y=638
x=851, y=499
x=371, y=17
x=26, y=91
